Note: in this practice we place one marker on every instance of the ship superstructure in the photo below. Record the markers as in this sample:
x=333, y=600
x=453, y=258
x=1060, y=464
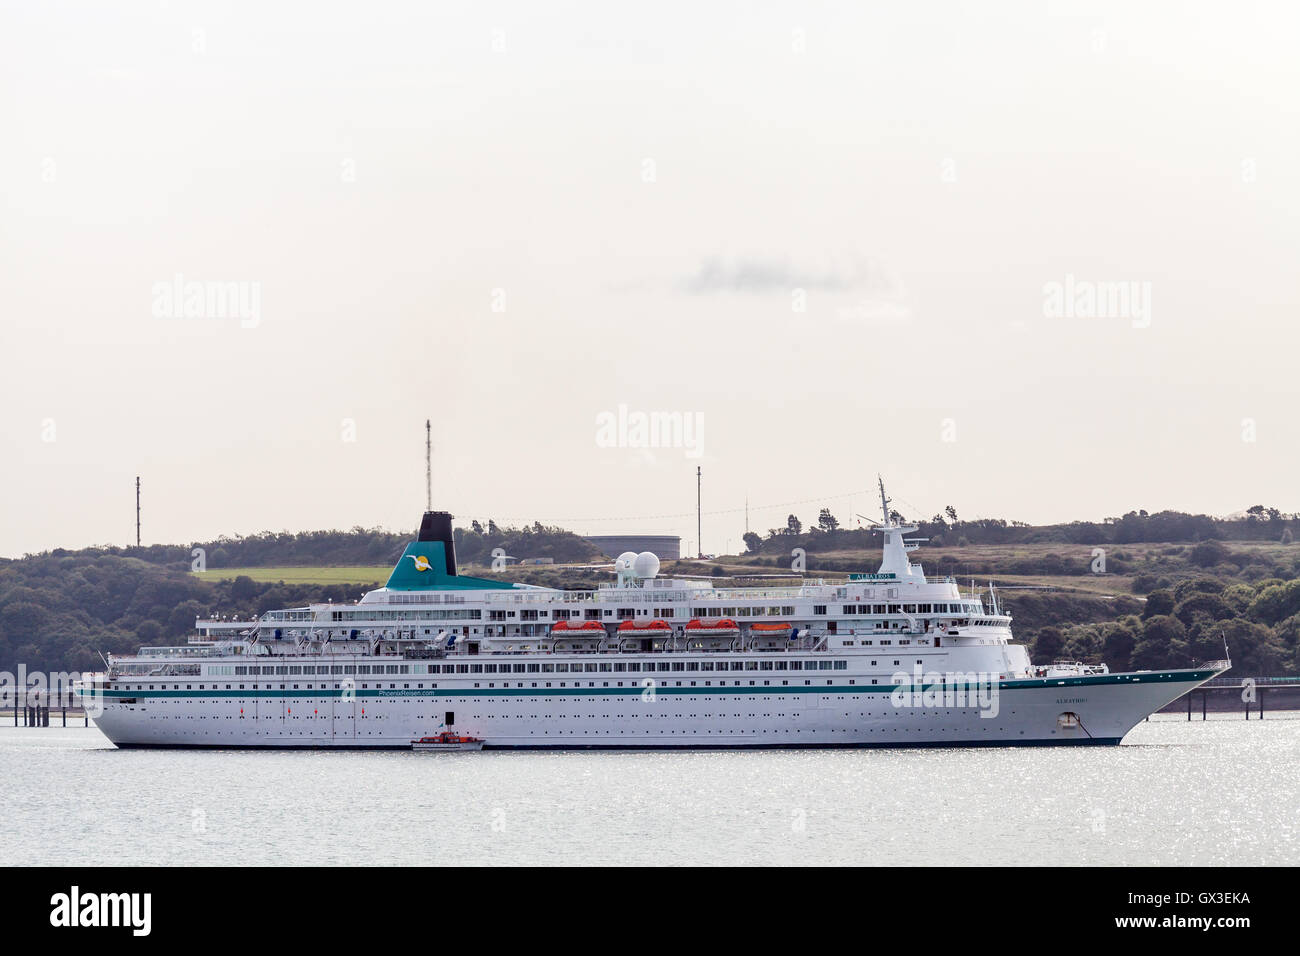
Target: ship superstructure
x=887, y=658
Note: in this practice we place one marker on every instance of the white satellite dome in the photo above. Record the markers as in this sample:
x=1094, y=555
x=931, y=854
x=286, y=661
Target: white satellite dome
x=646, y=564
x=625, y=561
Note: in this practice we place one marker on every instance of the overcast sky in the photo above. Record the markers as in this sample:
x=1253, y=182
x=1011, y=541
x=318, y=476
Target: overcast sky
x=834, y=240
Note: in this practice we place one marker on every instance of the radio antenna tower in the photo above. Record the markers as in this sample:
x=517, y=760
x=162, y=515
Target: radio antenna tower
x=699, y=519
x=428, y=465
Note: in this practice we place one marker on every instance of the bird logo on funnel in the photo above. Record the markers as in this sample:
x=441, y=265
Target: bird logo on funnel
x=421, y=562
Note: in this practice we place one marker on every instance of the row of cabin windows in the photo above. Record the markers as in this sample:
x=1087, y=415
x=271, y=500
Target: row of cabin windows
x=323, y=686
x=296, y=669
x=838, y=665
x=648, y=682
x=631, y=667
x=774, y=611
x=433, y=685
x=905, y=609
x=373, y=614
x=821, y=610
x=627, y=613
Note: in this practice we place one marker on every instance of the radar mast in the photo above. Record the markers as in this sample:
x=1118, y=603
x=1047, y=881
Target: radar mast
x=894, y=561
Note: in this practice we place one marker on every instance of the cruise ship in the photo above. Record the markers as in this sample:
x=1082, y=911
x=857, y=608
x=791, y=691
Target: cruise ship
x=883, y=659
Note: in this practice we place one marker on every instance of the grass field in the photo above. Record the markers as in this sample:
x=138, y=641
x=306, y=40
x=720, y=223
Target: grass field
x=340, y=575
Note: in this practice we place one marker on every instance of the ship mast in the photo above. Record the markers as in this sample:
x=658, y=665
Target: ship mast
x=894, y=560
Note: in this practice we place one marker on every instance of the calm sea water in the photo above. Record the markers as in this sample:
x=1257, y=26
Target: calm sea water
x=1220, y=792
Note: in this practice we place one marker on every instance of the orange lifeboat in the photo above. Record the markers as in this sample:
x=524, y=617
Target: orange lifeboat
x=777, y=629
x=721, y=627
x=577, y=629
x=653, y=628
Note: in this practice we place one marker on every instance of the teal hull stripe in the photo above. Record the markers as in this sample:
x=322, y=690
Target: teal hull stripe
x=1190, y=677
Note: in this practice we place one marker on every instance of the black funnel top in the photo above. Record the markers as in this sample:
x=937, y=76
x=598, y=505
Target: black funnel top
x=436, y=526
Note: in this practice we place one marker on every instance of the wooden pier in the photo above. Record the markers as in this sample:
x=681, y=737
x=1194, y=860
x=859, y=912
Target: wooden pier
x=33, y=709
x=1249, y=690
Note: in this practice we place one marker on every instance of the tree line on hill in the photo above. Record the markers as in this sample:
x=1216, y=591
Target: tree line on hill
x=357, y=547
x=1150, y=568
x=1191, y=622
x=1258, y=523
x=58, y=612
x=59, y=609
x=475, y=544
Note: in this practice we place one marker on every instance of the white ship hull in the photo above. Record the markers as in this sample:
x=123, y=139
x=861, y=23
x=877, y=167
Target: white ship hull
x=842, y=713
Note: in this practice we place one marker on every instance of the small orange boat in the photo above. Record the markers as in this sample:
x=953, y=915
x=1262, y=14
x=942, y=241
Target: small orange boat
x=447, y=741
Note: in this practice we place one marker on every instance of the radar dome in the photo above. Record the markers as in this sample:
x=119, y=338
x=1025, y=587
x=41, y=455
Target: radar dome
x=646, y=564
x=625, y=561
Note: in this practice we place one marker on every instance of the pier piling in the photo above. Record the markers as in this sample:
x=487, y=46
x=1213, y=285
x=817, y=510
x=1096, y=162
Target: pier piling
x=33, y=710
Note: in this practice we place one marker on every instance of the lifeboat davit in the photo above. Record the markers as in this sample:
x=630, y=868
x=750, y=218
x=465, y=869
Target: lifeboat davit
x=647, y=629
x=577, y=629
x=720, y=627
